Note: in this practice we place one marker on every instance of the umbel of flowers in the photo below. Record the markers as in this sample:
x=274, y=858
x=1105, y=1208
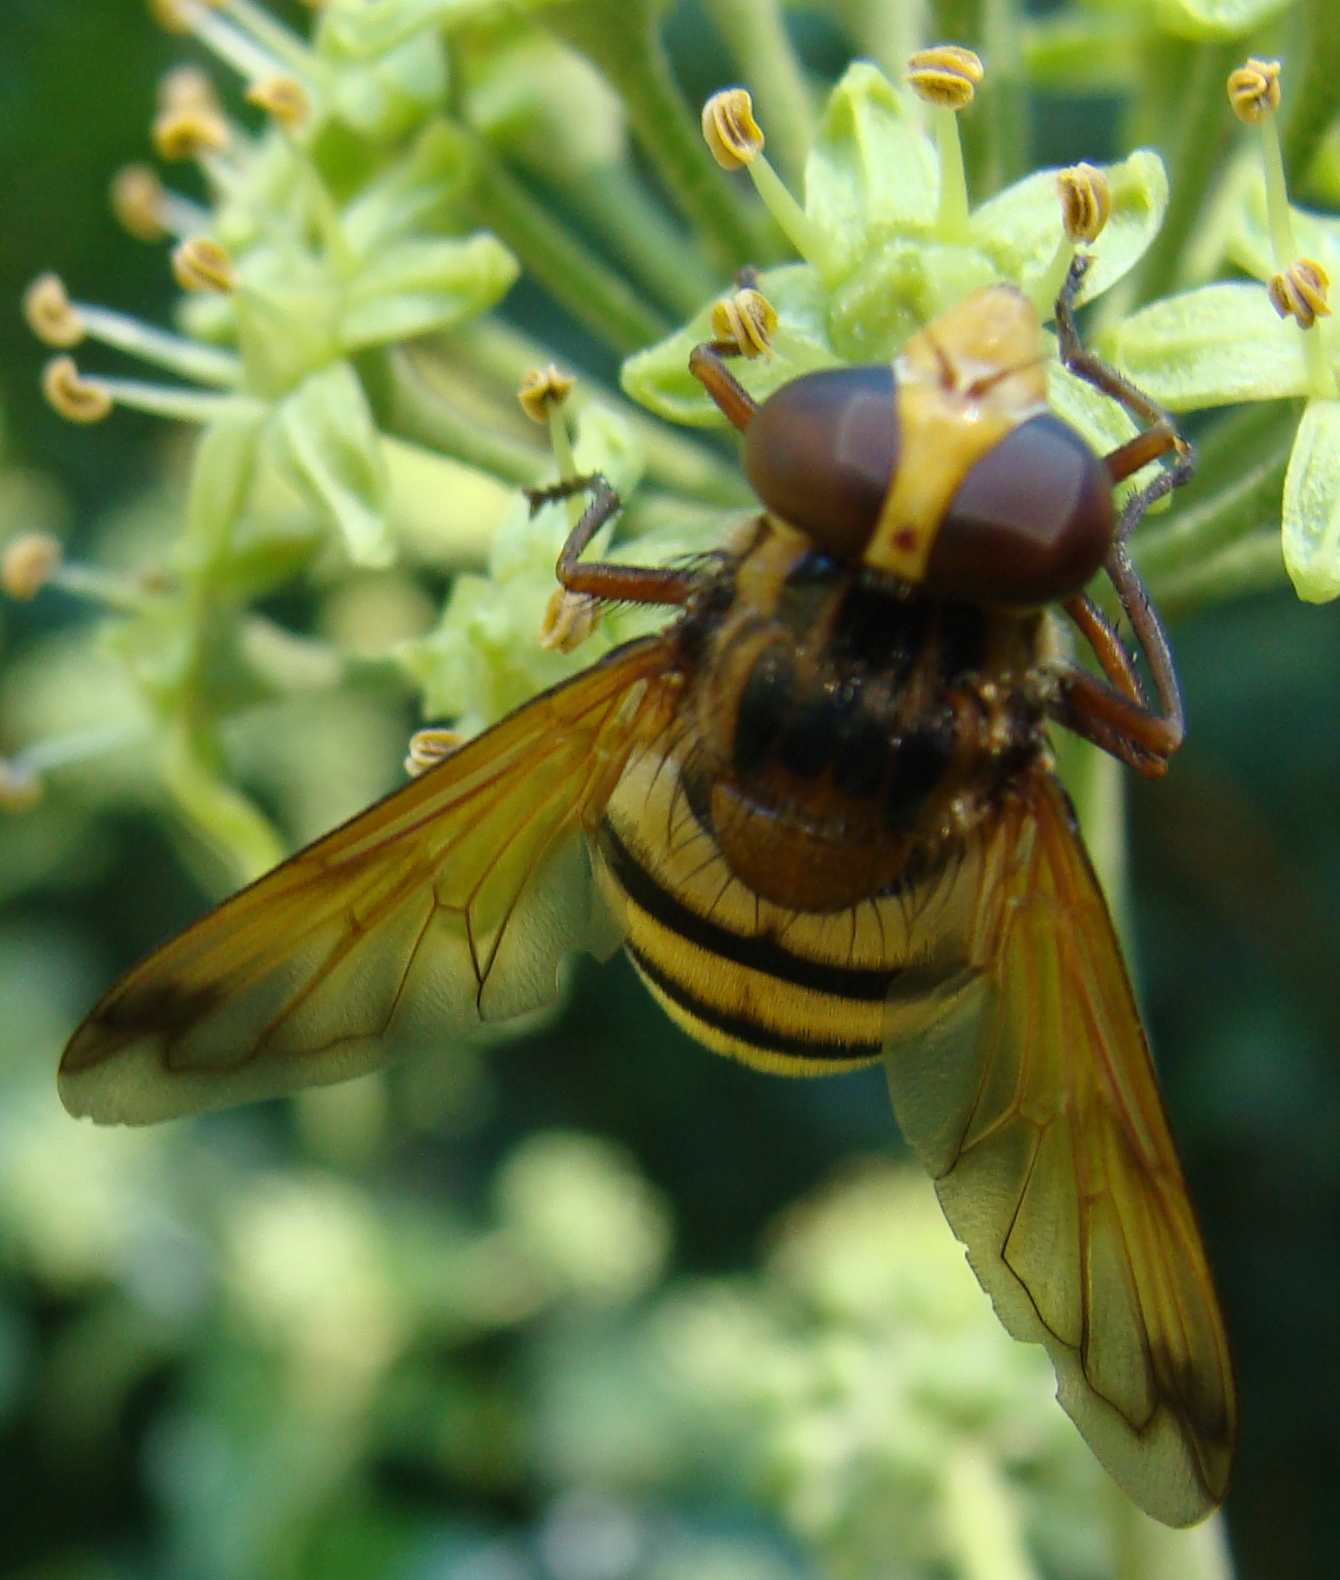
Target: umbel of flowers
x=366, y=199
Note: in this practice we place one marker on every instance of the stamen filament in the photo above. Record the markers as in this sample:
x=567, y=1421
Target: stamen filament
x=951, y=220
x=179, y=405
x=271, y=34
x=188, y=358
x=228, y=41
x=77, y=746
x=806, y=237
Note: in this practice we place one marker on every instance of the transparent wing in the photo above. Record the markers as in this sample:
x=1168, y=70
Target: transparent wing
x=451, y=902
x=1034, y=1106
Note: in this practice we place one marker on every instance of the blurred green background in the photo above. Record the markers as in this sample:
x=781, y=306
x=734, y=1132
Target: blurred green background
x=432, y=1326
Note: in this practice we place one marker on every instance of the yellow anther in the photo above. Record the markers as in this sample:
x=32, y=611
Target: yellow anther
x=137, y=202
x=20, y=788
x=745, y=321
x=283, y=98
x=1254, y=90
x=730, y=130
x=188, y=133
x=174, y=15
x=28, y=563
x=542, y=388
x=1086, y=201
x=429, y=747
x=947, y=75
x=51, y=315
x=1300, y=292
x=199, y=264
x=73, y=396
x=188, y=88
x=569, y=618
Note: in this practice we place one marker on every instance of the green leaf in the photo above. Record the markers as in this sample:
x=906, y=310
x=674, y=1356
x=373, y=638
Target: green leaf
x=1210, y=347
x=1312, y=504
x=1215, y=19
x=872, y=171
x=1020, y=228
x=324, y=441
x=659, y=377
x=414, y=287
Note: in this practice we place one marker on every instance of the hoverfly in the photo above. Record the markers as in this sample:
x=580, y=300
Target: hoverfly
x=819, y=810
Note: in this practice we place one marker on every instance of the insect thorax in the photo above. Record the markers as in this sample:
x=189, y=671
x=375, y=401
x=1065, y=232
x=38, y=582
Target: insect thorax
x=844, y=733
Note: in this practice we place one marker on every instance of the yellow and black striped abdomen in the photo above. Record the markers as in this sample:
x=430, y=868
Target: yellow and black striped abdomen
x=797, y=993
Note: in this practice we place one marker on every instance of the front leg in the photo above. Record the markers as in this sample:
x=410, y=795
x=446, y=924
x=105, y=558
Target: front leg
x=599, y=578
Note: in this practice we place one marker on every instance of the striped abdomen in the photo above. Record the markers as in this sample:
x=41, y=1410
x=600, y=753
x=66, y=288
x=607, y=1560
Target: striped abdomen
x=790, y=862
x=792, y=991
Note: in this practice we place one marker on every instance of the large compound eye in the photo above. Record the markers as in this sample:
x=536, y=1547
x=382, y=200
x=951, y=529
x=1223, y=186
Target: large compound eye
x=1030, y=523
x=820, y=453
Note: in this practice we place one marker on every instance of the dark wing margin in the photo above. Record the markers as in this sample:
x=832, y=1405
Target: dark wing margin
x=451, y=902
x=1035, y=1108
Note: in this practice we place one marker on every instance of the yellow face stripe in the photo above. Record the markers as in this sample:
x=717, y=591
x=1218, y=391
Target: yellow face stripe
x=962, y=384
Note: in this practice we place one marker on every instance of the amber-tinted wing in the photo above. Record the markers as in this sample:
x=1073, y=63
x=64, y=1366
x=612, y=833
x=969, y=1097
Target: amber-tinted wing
x=1034, y=1106
x=451, y=902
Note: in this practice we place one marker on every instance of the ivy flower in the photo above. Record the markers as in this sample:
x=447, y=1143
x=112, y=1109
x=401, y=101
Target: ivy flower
x=348, y=349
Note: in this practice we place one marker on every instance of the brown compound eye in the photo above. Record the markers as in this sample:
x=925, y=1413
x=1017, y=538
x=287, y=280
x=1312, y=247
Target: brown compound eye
x=821, y=451
x=1030, y=523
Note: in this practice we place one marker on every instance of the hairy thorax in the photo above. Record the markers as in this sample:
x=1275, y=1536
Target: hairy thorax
x=844, y=733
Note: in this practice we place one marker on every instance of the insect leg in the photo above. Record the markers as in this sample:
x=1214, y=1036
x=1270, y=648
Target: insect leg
x=707, y=364
x=600, y=579
x=1159, y=436
x=1114, y=713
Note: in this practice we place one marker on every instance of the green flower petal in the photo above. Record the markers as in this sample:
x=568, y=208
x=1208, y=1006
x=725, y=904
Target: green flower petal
x=414, y=287
x=287, y=318
x=896, y=289
x=1210, y=347
x=324, y=441
x=659, y=377
x=518, y=88
x=1098, y=417
x=366, y=29
x=1020, y=227
x=413, y=193
x=872, y=171
x=1215, y=19
x=1312, y=504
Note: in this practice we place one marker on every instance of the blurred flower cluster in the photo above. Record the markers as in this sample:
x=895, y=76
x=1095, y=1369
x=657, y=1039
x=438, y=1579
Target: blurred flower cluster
x=381, y=229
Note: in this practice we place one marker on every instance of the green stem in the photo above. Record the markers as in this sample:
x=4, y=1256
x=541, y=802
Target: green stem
x=590, y=291
x=1253, y=564
x=757, y=38
x=236, y=828
x=1213, y=519
x=981, y=1519
x=886, y=33
x=1190, y=78
x=622, y=40
x=627, y=217
x=1142, y=1549
x=415, y=410
x=1096, y=783
x=994, y=129
x=1310, y=102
